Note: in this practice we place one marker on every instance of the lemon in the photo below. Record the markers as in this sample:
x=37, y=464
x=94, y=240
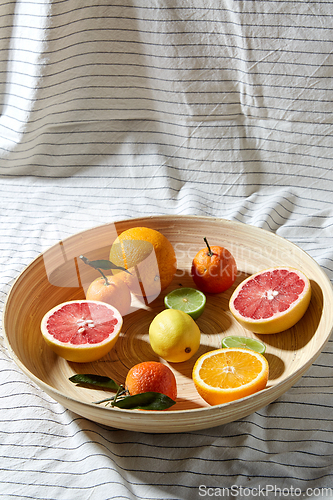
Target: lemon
x=174, y=335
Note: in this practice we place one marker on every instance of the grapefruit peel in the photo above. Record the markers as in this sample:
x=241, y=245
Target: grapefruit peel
x=277, y=321
x=81, y=352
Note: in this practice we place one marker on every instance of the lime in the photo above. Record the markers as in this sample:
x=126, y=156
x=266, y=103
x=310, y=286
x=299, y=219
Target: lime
x=188, y=300
x=244, y=342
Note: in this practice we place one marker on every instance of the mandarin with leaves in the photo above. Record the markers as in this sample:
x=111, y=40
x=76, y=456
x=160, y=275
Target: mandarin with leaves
x=151, y=376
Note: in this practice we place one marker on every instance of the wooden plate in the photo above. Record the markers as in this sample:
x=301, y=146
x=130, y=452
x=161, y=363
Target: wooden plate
x=59, y=275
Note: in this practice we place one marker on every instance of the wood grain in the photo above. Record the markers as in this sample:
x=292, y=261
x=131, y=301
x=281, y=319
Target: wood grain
x=59, y=275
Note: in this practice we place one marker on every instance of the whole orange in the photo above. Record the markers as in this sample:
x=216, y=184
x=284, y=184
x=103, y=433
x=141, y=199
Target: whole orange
x=150, y=258
x=214, y=269
x=151, y=376
x=114, y=291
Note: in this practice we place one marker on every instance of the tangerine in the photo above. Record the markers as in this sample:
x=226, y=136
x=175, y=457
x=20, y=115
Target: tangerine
x=113, y=291
x=148, y=256
x=151, y=376
x=214, y=269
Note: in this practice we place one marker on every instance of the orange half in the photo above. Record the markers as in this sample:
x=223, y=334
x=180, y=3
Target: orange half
x=224, y=375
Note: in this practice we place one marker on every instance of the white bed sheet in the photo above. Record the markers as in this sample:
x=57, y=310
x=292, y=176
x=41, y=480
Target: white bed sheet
x=114, y=110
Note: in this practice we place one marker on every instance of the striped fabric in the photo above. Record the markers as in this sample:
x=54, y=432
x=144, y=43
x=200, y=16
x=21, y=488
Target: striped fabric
x=112, y=110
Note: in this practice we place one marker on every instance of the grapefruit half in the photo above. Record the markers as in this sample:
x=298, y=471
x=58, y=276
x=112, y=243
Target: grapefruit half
x=82, y=331
x=272, y=300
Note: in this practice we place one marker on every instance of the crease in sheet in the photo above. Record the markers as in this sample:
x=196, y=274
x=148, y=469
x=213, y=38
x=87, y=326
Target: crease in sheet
x=23, y=70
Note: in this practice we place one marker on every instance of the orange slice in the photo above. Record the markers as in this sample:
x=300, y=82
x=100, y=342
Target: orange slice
x=224, y=375
x=82, y=330
x=271, y=301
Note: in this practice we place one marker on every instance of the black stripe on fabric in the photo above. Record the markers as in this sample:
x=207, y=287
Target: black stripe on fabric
x=149, y=43
x=180, y=9
x=204, y=125
x=191, y=472
x=214, y=118
x=191, y=8
x=220, y=93
x=195, y=183
x=173, y=23
x=76, y=488
x=164, y=446
x=123, y=453
x=156, y=154
x=131, y=65
x=151, y=144
x=197, y=193
x=32, y=254
x=77, y=184
x=166, y=473
x=73, y=206
x=162, y=484
x=131, y=444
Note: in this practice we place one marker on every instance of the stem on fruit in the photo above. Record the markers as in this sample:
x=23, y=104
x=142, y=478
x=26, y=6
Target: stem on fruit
x=105, y=278
x=120, y=392
x=87, y=261
x=210, y=253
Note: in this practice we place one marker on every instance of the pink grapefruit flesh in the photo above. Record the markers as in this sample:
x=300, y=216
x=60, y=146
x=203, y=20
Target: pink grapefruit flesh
x=272, y=300
x=82, y=331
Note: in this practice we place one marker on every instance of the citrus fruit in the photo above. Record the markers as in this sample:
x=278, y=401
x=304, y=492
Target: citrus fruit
x=271, y=301
x=224, y=375
x=150, y=258
x=151, y=376
x=189, y=300
x=174, y=335
x=244, y=342
x=214, y=269
x=81, y=330
x=114, y=291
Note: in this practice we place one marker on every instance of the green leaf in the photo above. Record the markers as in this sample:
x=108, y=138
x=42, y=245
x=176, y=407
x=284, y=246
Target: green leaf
x=95, y=380
x=105, y=264
x=102, y=264
x=145, y=401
